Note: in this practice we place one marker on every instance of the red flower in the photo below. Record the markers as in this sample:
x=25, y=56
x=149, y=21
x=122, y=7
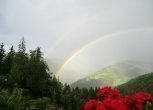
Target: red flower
x=114, y=104
x=101, y=107
x=144, y=97
x=109, y=99
x=136, y=101
x=91, y=105
x=108, y=92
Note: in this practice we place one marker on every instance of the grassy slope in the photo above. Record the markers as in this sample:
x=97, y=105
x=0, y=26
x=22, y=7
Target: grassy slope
x=141, y=83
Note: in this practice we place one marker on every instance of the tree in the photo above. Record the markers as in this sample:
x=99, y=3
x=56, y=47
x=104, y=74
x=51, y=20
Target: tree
x=66, y=97
x=36, y=73
x=2, y=56
x=2, y=52
x=22, y=47
x=9, y=61
x=56, y=91
x=20, y=58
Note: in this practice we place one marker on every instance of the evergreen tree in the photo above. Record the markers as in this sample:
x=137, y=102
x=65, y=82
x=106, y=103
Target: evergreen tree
x=2, y=52
x=2, y=56
x=22, y=46
x=18, y=67
x=9, y=60
x=36, y=73
x=56, y=91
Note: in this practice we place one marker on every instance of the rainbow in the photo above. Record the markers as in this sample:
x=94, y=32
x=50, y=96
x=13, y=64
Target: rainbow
x=67, y=35
x=96, y=40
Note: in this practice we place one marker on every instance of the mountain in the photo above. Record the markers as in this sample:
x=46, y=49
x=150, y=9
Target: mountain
x=114, y=75
x=143, y=83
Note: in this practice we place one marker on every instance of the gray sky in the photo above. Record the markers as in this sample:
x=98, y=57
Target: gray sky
x=80, y=36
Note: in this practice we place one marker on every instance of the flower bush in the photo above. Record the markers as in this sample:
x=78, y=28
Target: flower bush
x=108, y=98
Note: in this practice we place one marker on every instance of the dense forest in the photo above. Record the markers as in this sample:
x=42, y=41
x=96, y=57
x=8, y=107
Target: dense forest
x=26, y=82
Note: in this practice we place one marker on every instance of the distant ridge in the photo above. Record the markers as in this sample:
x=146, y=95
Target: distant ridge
x=114, y=75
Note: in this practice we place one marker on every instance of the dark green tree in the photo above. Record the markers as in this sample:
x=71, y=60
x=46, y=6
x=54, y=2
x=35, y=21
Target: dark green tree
x=22, y=46
x=2, y=57
x=2, y=52
x=36, y=73
x=9, y=61
x=56, y=91
x=20, y=58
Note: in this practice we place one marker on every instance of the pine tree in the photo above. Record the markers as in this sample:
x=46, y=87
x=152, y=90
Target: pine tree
x=2, y=52
x=39, y=53
x=9, y=61
x=2, y=56
x=22, y=46
x=18, y=67
x=12, y=51
x=36, y=73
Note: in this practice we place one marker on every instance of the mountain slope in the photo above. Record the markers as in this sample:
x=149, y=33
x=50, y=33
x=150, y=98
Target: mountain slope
x=113, y=75
x=143, y=83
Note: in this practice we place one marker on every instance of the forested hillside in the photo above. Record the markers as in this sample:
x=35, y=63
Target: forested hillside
x=26, y=82
x=141, y=83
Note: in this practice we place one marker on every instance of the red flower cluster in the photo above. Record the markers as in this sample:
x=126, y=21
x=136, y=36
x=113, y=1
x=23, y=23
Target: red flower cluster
x=136, y=101
x=108, y=92
x=110, y=99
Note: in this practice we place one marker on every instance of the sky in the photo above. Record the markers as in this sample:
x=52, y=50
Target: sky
x=79, y=37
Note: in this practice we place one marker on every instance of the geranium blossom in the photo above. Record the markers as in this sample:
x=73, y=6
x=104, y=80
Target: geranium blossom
x=91, y=105
x=108, y=92
x=137, y=100
x=110, y=99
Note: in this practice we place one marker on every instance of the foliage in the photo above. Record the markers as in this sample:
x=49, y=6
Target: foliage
x=11, y=101
x=42, y=102
x=39, y=103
